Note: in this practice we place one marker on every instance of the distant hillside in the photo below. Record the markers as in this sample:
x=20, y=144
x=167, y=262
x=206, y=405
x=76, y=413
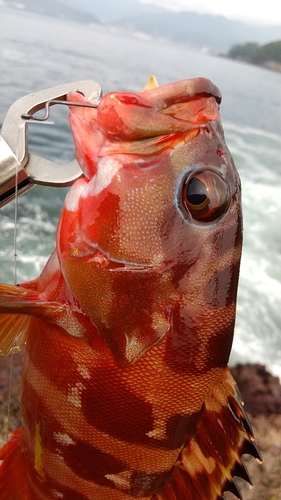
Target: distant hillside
x=268, y=55
x=214, y=33
x=52, y=8
x=108, y=11
x=199, y=30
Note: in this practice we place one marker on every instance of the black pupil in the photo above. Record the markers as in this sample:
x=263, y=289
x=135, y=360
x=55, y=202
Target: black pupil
x=196, y=192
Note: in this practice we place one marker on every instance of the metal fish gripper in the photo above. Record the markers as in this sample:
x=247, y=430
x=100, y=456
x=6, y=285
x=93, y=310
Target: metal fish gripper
x=21, y=170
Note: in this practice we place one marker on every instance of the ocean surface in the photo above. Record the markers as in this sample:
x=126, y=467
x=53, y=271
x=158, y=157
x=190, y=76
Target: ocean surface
x=37, y=52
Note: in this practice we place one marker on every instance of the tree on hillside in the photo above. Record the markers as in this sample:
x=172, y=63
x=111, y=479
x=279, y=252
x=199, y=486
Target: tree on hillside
x=246, y=51
x=257, y=54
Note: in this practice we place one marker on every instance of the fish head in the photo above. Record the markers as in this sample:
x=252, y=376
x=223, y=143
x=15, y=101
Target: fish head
x=150, y=237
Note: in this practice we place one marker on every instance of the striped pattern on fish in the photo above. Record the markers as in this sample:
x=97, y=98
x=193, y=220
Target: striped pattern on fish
x=126, y=391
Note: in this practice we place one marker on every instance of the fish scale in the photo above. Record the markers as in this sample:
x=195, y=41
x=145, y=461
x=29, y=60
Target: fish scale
x=126, y=392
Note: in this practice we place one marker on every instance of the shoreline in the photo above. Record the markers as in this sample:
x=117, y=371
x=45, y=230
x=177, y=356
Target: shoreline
x=269, y=64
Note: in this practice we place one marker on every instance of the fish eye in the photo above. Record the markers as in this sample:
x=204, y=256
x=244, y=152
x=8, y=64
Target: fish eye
x=205, y=195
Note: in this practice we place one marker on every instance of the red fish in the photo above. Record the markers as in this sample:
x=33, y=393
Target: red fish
x=126, y=391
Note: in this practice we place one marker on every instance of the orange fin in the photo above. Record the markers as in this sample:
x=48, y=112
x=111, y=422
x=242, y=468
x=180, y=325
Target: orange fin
x=211, y=457
x=21, y=300
x=18, y=303
x=13, y=329
x=13, y=477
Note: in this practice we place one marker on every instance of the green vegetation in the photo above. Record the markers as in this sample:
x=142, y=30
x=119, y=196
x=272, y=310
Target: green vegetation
x=257, y=54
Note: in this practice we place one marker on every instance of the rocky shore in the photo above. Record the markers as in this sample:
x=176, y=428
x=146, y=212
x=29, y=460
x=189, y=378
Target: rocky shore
x=268, y=64
x=262, y=397
x=261, y=393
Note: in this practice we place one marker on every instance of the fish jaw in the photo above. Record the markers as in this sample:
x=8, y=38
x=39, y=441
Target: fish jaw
x=124, y=147
x=125, y=230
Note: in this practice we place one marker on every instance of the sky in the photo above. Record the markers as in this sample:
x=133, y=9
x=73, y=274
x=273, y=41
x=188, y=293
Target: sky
x=265, y=12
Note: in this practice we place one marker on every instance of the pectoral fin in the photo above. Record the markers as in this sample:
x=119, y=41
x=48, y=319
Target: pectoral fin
x=13, y=328
x=17, y=305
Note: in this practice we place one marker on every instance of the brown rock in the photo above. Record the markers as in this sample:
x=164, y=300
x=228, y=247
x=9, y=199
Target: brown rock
x=10, y=388
x=260, y=390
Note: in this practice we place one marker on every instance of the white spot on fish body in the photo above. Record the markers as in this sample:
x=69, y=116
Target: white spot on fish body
x=64, y=439
x=159, y=430
x=121, y=480
x=83, y=371
x=57, y=494
x=74, y=396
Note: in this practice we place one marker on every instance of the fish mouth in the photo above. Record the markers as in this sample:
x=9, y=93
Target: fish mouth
x=104, y=260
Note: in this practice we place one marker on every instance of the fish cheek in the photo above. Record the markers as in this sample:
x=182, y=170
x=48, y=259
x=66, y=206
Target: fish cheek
x=128, y=307
x=125, y=220
x=122, y=219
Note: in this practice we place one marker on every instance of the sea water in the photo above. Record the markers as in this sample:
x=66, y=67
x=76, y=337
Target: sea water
x=38, y=52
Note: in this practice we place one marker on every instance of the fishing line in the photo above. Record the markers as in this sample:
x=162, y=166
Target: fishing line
x=16, y=228
x=15, y=283
x=9, y=395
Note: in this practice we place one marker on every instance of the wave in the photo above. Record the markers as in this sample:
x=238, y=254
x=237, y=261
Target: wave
x=244, y=130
